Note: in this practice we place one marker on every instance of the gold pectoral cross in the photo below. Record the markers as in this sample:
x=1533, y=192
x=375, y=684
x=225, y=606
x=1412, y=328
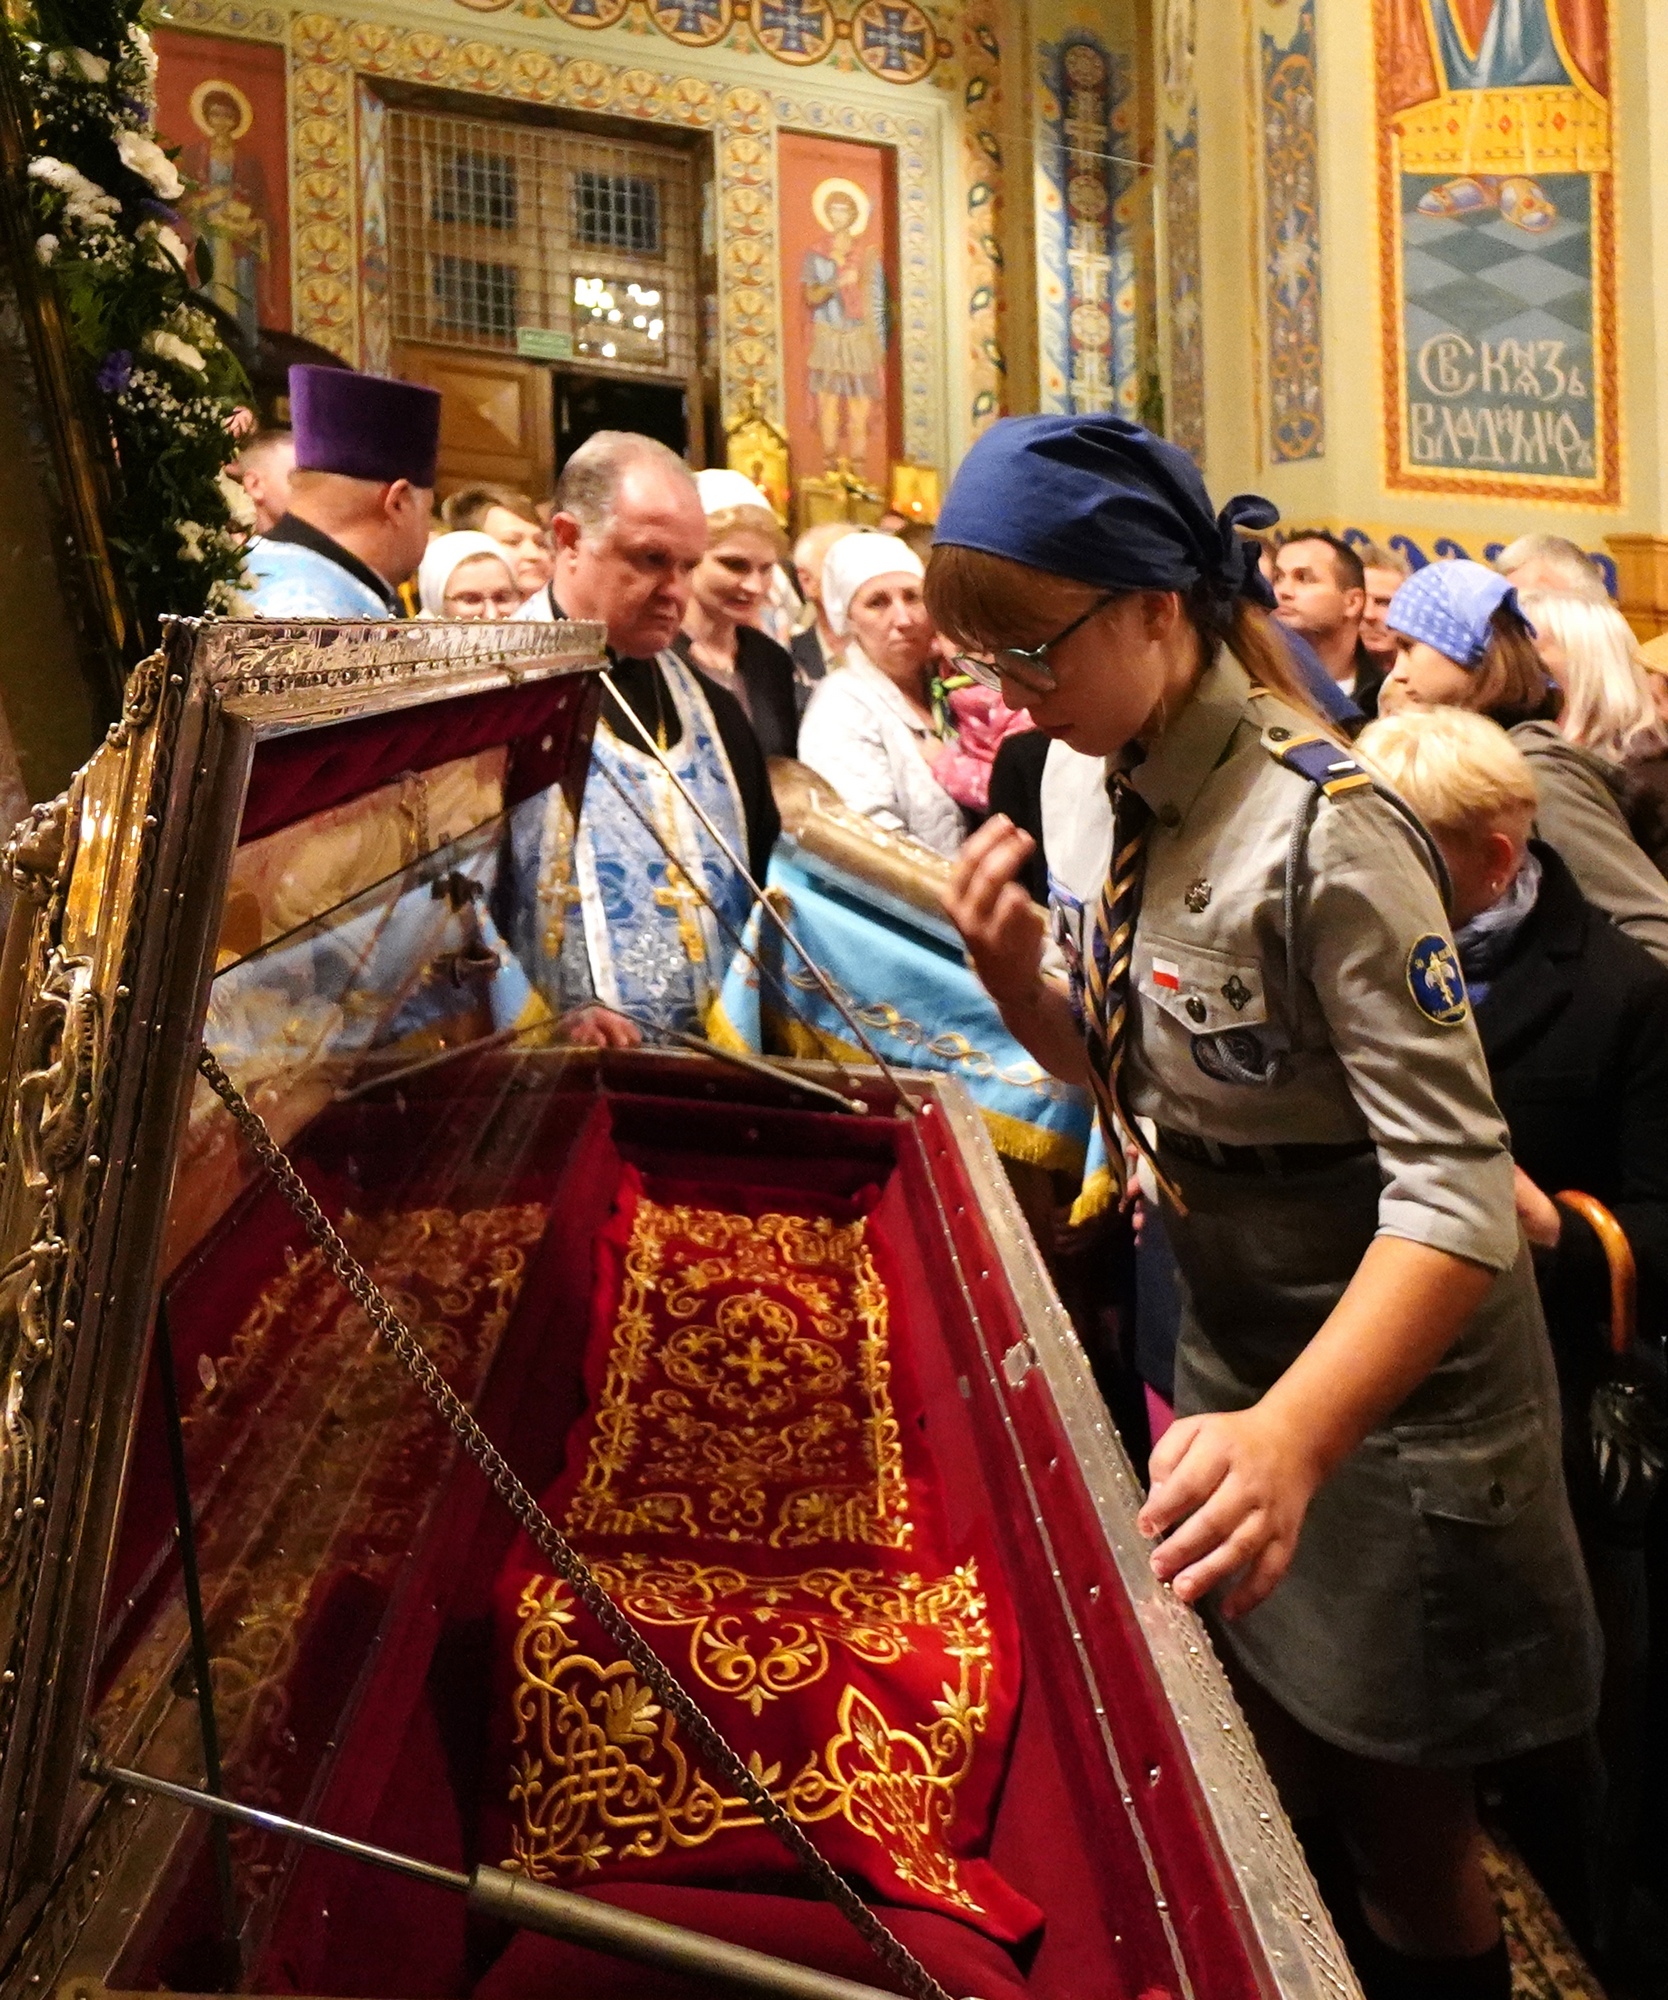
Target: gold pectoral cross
x=681, y=895
x=679, y=892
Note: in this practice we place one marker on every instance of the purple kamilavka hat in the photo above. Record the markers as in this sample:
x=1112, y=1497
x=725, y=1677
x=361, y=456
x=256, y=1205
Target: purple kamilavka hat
x=364, y=426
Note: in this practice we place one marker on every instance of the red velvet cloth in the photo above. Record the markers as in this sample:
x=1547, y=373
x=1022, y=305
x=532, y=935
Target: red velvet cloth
x=813, y=1934
x=747, y=1482
x=296, y=776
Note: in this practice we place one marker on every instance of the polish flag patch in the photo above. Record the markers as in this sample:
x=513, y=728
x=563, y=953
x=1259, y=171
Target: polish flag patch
x=1167, y=975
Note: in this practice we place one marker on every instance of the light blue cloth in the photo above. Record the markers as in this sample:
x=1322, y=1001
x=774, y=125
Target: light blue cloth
x=375, y=973
x=287, y=580
x=602, y=912
x=908, y=985
x=1449, y=605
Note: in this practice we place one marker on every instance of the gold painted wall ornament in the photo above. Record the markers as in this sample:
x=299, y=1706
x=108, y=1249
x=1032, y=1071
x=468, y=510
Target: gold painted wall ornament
x=333, y=58
x=915, y=492
x=590, y=13
x=794, y=31
x=894, y=40
x=759, y=449
x=694, y=24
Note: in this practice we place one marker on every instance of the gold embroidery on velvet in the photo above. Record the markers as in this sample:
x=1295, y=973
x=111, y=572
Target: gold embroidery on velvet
x=757, y=1638
x=332, y=1467
x=765, y=1395
x=602, y=1774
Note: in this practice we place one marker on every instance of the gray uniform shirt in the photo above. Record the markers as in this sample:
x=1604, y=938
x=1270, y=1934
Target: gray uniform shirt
x=1352, y=1029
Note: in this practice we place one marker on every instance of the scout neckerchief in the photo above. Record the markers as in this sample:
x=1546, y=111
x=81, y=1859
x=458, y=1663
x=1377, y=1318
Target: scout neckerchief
x=1106, y=983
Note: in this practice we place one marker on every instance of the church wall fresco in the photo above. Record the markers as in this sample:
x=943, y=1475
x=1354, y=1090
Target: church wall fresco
x=1089, y=186
x=1497, y=220
x=222, y=103
x=839, y=305
x=1288, y=181
x=879, y=74
x=1183, y=257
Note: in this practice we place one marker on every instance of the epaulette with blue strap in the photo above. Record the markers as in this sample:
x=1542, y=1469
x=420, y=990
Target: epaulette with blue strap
x=1325, y=763
x=1318, y=759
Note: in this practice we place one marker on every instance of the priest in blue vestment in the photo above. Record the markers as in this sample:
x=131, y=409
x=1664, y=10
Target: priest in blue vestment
x=361, y=498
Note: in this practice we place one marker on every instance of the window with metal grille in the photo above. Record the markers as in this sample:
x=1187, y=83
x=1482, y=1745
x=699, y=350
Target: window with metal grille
x=616, y=212
x=475, y=188
x=472, y=297
x=498, y=229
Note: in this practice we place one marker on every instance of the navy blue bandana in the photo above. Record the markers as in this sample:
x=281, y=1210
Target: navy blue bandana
x=1104, y=502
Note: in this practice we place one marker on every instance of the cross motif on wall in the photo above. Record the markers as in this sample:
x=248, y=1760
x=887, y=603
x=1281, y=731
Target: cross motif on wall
x=693, y=16
x=900, y=45
x=802, y=28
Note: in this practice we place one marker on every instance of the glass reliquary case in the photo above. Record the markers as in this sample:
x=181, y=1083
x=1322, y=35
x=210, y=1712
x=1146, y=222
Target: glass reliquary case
x=768, y=1348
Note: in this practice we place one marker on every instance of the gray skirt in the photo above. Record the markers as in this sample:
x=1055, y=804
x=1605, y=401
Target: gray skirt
x=1437, y=1611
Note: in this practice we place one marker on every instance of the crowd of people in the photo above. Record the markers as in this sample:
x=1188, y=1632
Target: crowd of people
x=1301, y=815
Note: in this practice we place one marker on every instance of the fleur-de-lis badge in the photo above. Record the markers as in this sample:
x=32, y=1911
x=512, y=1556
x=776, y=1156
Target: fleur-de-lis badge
x=1197, y=896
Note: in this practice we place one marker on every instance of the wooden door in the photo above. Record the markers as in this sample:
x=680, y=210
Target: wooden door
x=495, y=417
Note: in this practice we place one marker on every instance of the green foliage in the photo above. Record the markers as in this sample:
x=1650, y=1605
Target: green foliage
x=103, y=191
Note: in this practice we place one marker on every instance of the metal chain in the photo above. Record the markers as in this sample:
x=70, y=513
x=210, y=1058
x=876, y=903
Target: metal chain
x=721, y=1761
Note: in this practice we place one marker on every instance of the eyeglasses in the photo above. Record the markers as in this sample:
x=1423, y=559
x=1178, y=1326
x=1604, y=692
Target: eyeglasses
x=1028, y=665
x=481, y=603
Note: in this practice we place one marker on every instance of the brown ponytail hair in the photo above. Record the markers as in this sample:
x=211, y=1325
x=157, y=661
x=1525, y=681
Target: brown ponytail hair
x=984, y=601
x=1509, y=683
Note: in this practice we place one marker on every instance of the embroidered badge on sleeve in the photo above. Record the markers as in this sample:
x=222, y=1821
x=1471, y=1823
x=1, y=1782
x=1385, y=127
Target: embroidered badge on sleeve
x=1435, y=981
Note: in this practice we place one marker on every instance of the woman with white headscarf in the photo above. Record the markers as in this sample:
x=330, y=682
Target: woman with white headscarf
x=467, y=575
x=871, y=729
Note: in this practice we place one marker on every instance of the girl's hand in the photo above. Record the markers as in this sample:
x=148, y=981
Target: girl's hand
x=1537, y=1211
x=1001, y=926
x=1234, y=1487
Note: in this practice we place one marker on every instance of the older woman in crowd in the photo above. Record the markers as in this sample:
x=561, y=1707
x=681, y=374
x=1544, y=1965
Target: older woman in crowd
x=871, y=728
x=467, y=575
x=1609, y=711
x=1463, y=642
x=730, y=587
x=511, y=519
x=1574, y=1024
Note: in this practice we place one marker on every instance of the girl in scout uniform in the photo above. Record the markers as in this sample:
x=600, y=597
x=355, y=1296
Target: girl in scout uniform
x=1365, y=1473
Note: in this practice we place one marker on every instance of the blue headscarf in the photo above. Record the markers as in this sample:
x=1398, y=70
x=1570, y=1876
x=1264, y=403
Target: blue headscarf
x=1450, y=605
x=1100, y=500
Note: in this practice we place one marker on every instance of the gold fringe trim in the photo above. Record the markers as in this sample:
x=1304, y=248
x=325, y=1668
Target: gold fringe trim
x=1097, y=1197
x=723, y=1033
x=1014, y=1138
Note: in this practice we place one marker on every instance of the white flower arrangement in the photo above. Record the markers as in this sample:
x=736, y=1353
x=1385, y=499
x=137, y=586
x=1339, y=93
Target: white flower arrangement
x=122, y=271
x=147, y=159
x=87, y=207
x=238, y=503
x=165, y=245
x=144, y=50
x=169, y=347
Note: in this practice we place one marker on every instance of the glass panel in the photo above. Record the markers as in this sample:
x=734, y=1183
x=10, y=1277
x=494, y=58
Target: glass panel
x=617, y=320
x=495, y=227
x=473, y=297
x=477, y=188
x=616, y=212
